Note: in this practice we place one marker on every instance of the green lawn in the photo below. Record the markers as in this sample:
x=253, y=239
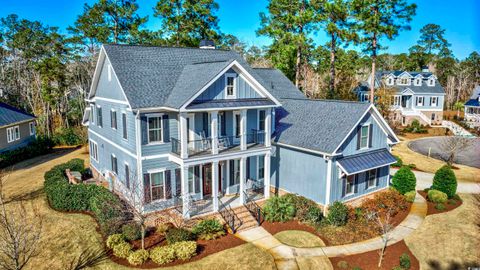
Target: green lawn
x=300, y=239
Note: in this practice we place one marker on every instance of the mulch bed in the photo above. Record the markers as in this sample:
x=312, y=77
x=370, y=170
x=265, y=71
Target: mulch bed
x=276, y=227
x=204, y=248
x=400, y=216
x=369, y=260
x=431, y=205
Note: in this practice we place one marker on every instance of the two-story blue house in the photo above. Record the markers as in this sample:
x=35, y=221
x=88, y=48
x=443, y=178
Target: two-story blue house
x=417, y=95
x=203, y=126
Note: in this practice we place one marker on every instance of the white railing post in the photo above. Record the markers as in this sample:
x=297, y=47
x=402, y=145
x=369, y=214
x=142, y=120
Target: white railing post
x=215, y=185
x=183, y=136
x=185, y=192
x=243, y=130
x=242, y=179
x=266, y=175
x=214, y=129
x=268, y=127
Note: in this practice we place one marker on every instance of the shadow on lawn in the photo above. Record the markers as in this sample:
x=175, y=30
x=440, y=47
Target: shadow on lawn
x=435, y=265
x=88, y=258
x=26, y=196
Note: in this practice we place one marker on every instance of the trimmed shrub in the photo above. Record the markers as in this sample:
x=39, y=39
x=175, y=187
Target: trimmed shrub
x=343, y=265
x=178, y=235
x=301, y=204
x=398, y=163
x=208, y=229
x=445, y=181
x=314, y=215
x=437, y=196
x=337, y=214
x=185, y=250
x=279, y=209
x=440, y=206
x=114, y=240
x=122, y=250
x=410, y=196
x=404, y=180
x=405, y=261
x=138, y=257
x=163, y=228
x=456, y=197
x=132, y=231
x=162, y=255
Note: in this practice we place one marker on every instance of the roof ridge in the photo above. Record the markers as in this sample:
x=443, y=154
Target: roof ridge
x=165, y=46
x=329, y=100
x=211, y=62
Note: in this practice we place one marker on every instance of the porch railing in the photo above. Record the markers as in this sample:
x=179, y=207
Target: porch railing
x=232, y=220
x=254, y=209
x=175, y=146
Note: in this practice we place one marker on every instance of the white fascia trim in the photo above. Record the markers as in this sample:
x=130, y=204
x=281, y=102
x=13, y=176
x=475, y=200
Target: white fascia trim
x=114, y=144
x=231, y=108
x=403, y=73
x=372, y=168
x=96, y=74
x=155, y=156
x=156, y=109
x=305, y=149
x=385, y=124
x=109, y=100
x=18, y=123
x=240, y=70
x=408, y=91
x=352, y=129
x=118, y=81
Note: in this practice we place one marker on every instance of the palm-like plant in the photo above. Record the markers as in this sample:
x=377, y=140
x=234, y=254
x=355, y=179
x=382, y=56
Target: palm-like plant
x=458, y=106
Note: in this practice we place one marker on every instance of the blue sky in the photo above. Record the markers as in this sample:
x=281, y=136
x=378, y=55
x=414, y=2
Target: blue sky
x=460, y=18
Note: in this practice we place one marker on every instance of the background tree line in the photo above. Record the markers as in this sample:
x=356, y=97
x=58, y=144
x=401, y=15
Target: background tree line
x=48, y=72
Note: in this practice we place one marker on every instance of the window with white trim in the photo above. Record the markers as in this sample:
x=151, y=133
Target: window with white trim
x=364, y=130
x=155, y=129
x=230, y=86
x=10, y=136
x=16, y=131
x=372, y=178
x=192, y=179
x=431, y=82
x=418, y=81
x=157, y=185
x=114, y=161
x=113, y=119
x=419, y=101
x=404, y=81
x=261, y=167
x=349, y=185
x=261, y=120
x=92, y=111
x=390, y=81
x=396, y=100
x=124, y=126
x=94, y=150
x=99, y=116
x=434, y=101
x=31, y=127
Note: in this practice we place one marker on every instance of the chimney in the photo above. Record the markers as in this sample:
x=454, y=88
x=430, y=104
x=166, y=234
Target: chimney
x=207, y=44
x=425, y=69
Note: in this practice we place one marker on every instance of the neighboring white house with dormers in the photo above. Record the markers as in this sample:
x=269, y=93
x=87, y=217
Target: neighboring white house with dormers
x=418, y=95
x=472, y=108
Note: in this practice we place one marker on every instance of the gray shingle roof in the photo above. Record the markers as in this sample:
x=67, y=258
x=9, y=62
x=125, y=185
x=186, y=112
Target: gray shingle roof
x=150, y=76
x=421, y=89
x=365, y=161
x=319, y=125
x=230, y=103
x=10, y=115
x=278, y=84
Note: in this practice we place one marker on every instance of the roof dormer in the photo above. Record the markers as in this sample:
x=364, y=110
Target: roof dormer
x=417, y=81
x=431, y=81
x=404, y=79
x=389, y=79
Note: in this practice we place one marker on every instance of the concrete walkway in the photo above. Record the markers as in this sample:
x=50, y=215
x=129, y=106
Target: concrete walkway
x=288, y=257
x=425, y=180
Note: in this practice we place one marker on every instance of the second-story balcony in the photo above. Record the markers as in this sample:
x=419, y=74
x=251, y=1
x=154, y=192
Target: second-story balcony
x=255, y=139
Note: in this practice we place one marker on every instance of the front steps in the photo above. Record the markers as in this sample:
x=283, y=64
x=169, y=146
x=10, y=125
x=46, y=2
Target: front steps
x=248, y=221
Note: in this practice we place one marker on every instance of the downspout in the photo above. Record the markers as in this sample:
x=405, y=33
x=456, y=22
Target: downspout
x=328, y=184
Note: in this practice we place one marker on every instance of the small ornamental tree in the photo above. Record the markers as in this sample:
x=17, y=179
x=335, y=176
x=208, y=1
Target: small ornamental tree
x=404, y=180
x=445, y=181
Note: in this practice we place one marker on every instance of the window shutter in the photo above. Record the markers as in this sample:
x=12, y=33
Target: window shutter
x=205, y=123
x=196, y=172
x=146, y=188
x=248, y=168
x=144, y=128
x=370, y=135
x=431, y=101
x=168, y=184
x=166, y=128
x=359, y=136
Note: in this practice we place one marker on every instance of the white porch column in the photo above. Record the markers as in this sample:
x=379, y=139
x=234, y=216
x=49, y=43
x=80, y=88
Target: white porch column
x=183, y=136
x=266, y=175
x=243, y=173
x=268, y=127
x=215, y=185
x=185, y=192
x=328, y=188
x=214, y=129
x=243, y=130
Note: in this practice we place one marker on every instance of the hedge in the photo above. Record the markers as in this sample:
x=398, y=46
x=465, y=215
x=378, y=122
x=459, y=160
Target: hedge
x=63, y=196
x=40, y=146
x=404, y=180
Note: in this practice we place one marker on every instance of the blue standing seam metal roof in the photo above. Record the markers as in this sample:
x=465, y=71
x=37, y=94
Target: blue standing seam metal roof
x=362, y=162
x=233, y=103
x=10, y=115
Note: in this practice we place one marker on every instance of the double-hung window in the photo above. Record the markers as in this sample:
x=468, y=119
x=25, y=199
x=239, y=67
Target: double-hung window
x=193, y=178
x=419, y=101
x=124, y=125
x=396, y=101
x=261, y=167
x=94, y=150
x=349, y=185
x=157, y=186
x=16, y=131
x=10, y=136
x=234, y=172
x=113, y=159
x=155, y=129
x=372, y=178
x=364, y=130
x=99, y=116
x=230, y=86
x=261, y=120
x=113, y=119
x=31, y=126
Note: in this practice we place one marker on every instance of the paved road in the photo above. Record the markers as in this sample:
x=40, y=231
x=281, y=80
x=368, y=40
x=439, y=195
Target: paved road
x=424, y=180
x=469, y=156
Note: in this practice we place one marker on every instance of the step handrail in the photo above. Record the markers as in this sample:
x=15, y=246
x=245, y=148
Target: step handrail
x=232, y=220
x=254, y=209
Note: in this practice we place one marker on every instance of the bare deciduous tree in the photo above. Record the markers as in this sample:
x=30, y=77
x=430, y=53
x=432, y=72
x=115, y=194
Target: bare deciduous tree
x=383, y=220
x=451, y=146
x=20, y=231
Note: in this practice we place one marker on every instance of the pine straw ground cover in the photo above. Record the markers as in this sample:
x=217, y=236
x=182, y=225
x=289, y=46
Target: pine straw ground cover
x=358, y=227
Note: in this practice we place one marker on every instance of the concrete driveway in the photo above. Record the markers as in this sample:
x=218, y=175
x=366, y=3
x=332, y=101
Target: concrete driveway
x=424, y=180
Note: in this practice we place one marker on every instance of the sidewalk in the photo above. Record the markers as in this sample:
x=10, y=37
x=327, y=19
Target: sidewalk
x=287, y=257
